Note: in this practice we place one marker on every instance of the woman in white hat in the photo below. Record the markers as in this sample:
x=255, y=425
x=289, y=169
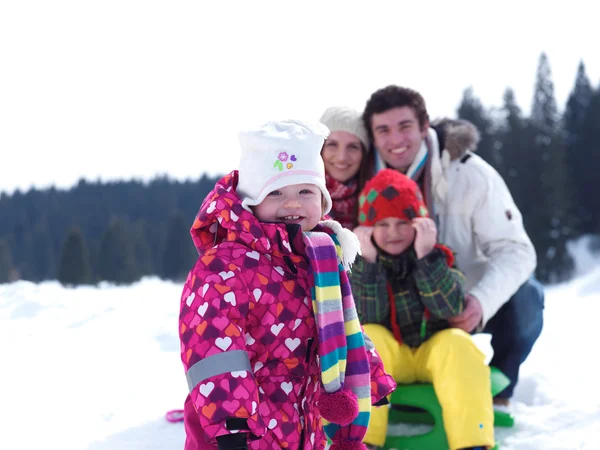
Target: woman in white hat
x=343, y=155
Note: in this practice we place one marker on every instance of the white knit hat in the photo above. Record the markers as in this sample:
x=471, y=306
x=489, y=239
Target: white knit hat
x=279, y=154
x=344, y=118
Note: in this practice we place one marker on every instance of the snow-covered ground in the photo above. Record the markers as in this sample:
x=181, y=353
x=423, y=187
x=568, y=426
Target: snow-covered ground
x=96, y=368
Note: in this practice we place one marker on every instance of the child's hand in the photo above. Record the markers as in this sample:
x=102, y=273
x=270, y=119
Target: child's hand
x=426, y=237
x=368, y=250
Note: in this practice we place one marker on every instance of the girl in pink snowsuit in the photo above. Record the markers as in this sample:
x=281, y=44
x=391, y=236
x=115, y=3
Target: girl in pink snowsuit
x=270, y=340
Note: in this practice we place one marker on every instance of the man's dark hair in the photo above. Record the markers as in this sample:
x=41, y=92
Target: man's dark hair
x=394, y=97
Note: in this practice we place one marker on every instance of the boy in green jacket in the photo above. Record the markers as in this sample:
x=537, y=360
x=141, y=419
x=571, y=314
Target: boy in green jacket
x=405, y=287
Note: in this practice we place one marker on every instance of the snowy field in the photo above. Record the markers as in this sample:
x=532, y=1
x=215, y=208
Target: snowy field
x=96, y=368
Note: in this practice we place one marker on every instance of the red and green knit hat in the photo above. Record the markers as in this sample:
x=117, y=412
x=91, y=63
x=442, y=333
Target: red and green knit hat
x=390, y=194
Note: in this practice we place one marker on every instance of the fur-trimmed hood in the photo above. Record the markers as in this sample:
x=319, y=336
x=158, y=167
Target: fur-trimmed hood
x=457, y=136
x=222, y=218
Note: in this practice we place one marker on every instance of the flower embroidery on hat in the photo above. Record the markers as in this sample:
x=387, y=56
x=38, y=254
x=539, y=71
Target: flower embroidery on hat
x=283, y=157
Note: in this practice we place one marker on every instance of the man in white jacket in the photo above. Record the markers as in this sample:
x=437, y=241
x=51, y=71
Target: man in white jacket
x=476, y=217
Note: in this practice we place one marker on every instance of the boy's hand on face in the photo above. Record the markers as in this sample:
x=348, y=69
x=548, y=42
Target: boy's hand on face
x=426, y=236
x=368, y=250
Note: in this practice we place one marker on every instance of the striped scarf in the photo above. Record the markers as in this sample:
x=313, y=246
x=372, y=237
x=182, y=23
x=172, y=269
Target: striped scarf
x=342, y=352
x=415, y=169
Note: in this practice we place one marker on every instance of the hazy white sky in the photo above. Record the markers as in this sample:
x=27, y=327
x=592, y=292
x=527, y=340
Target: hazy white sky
x=131, y=88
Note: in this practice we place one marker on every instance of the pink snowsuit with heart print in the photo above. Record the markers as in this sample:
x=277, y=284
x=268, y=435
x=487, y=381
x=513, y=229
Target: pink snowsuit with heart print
x=248, y=333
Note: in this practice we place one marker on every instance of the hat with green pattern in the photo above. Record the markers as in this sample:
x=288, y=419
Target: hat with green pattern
x=390, y=194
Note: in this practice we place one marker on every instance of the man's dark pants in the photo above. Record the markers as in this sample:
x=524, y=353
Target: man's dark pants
x=514, y=329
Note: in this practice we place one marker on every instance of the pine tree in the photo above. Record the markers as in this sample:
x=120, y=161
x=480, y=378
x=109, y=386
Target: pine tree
x=45, y=261
x=6, y=262
x=74, y=267
x=142, y=248
x=580, y=150
x=552, y=224
x=179, y=253
x=589, y=176
x=544, y=113
x=471, y=109
x=517, y=154
x=116, y=257
x=24, y=256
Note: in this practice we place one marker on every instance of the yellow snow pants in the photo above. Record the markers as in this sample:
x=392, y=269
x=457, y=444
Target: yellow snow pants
x=456, y=368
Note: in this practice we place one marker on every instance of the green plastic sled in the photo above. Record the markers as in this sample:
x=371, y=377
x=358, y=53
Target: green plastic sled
x=418, y=404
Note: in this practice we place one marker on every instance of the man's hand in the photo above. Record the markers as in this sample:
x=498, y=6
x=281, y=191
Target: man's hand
x=471, y=316
x=368, y=250
x=426, y=237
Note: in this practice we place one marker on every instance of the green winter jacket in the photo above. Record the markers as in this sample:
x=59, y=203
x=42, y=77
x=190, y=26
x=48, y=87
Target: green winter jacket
x=425, y=293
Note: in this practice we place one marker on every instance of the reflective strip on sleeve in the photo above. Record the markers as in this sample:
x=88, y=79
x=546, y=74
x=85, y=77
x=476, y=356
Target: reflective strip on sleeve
x=233, y=361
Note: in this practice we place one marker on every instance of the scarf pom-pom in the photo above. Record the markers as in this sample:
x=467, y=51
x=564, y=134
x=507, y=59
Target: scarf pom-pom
x=348, y=241
x=339, y=407
x=344, y=444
